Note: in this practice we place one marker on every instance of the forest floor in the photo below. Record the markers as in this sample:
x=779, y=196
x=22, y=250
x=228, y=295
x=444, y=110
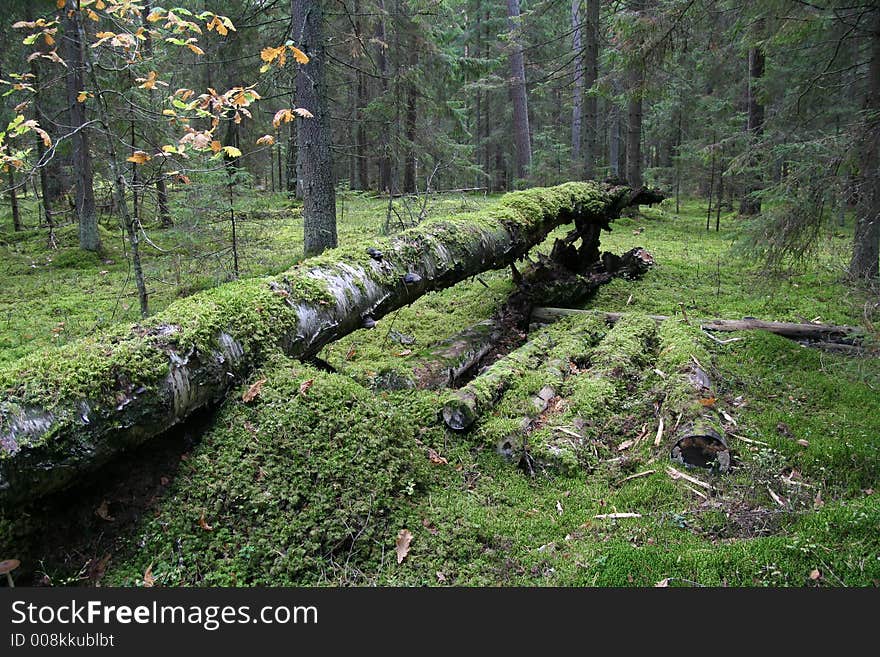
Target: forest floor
x=325, y=475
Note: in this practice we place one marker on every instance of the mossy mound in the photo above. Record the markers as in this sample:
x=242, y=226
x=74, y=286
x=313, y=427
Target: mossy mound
x=291, y=488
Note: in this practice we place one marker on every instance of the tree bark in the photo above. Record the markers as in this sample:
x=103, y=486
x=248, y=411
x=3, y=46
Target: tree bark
x=591, y=113
x=13, y=201
x=749, y=205
x=45, y=190
x=521, y=136
x=409, y=167
x=63, y=413
x=866, y=245
x=577, y=112
x=89, y=238
x=314, y=161
x=635, y=86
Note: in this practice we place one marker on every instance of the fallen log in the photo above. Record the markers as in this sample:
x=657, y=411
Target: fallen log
x=547, y=355
x=66, y=411
x=688, y=407
x=819, y=332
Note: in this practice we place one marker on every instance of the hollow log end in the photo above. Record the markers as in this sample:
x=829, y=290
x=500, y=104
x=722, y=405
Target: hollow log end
x=458, y=415
x=702, y=447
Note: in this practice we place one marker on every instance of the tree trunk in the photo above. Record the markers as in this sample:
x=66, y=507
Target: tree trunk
x=89, y=238
x=591, y=118
x=162, y=201
x=409, y=168
x=314, y=161
x=866, y=245
x=749, y=205
x=521, y=136
x=577, y=112
x=13, y=201
x=635, y=86
x=59, y=420
x=45, y=189
x=385, y=182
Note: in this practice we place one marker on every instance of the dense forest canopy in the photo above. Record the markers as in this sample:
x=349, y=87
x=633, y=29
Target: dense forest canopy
x=768, y=107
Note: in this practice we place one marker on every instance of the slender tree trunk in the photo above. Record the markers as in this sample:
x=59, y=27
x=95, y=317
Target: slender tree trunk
x=13, y=201
x=634, y=129
x=89, y=238
x=162, y=201
x=385, y=182
x=591, y=119
x=45, y=190
x=635, y=83
x=749, y=205
x=409, y=169
x=577, y=111
x=614, y=128
x=521, y=137
x=866, y=245
x=116, y=169
x=314, y=162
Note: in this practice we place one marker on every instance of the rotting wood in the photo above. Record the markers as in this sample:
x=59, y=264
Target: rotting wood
x=67, y=411
x=826, y=333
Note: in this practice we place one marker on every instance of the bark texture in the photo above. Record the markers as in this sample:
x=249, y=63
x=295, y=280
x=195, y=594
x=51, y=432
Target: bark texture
x=313, y=147
x=521, y=135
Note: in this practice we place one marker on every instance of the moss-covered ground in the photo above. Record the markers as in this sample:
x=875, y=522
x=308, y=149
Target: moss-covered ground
x=313, y=479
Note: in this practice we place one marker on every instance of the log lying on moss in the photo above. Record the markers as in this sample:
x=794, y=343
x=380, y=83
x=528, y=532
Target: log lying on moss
x=824, y=333
x=697, y=435
x=66, y=411
x=545, y=359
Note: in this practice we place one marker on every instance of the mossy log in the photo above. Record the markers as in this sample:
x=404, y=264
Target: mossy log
x=696, y=433
x=822, y=333
x=615, y=367
x=545, y=359
x=66, y=411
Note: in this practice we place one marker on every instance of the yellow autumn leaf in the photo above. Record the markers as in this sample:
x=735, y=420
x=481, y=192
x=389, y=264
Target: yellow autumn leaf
x=155, y=16
x=100, y=5
x=195, y=49
x=299, y=55
x=169, y=112
x=48, y=39
x=304, y=113
x=92, y=15
x=231, y=151
x=217, y=24
x=81, y=97
x=149, y=81
x=266, y=140
x=138, y=157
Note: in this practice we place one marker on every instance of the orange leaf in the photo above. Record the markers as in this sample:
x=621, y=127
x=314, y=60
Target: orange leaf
x=266, y=140
x=138, y=157
x=204, y=523
x=710, y=401
x=304, y=113
x=304, y=387
x=299, y=55
x=195, y=49
x=253, y=391
x=99, y=5
x=216, y=146
x=149, y=580
x=282, y=115
x=435, y=457
x=48, y=38
x=92, y=15
x=401, y=546
x=149, y=81
x=60, y=4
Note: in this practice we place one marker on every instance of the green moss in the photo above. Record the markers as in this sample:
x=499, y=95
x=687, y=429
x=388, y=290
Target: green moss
x=295, y=487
